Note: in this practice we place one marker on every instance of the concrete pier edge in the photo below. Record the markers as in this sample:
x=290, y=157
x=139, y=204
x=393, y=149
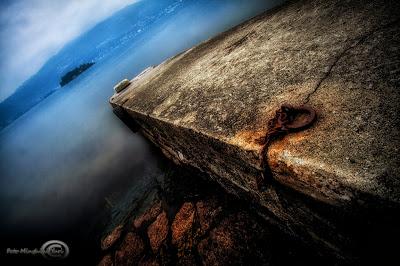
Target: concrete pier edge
x=207, y=106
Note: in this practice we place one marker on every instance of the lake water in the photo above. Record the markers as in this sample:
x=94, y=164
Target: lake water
x=61, y=160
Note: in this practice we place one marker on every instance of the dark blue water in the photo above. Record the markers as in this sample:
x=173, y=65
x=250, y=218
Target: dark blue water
x=67, y=153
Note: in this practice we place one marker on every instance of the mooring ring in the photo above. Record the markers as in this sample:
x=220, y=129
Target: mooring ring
x=309, y=118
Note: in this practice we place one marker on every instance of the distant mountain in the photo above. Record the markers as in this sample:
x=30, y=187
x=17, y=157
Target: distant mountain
x=97, y=45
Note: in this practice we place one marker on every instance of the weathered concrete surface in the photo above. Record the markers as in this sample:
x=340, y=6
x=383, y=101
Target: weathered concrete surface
x=207, y=106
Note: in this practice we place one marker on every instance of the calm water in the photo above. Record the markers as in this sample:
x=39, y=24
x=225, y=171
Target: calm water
x=60, y=160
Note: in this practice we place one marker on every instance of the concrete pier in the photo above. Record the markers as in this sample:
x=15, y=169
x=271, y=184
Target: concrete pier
x=208, y=106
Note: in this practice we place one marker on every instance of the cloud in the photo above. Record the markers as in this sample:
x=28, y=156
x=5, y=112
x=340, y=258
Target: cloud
x=32, y=31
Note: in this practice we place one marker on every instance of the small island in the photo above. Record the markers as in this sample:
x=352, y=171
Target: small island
x=71, y=75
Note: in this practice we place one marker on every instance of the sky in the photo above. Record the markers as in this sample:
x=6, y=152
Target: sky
x=33, y=31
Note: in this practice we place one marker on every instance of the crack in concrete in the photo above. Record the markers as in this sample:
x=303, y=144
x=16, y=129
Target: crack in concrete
x=360, y=40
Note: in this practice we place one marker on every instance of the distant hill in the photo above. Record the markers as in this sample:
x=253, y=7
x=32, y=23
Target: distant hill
x=71, y=75
x=105, y=40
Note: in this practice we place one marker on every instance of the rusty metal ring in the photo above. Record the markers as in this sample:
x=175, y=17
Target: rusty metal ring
x=309, y=119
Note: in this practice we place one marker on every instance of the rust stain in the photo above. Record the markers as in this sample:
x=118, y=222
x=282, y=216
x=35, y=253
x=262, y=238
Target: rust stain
x=248, y=138
x=288, y=140
x=287, y=119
